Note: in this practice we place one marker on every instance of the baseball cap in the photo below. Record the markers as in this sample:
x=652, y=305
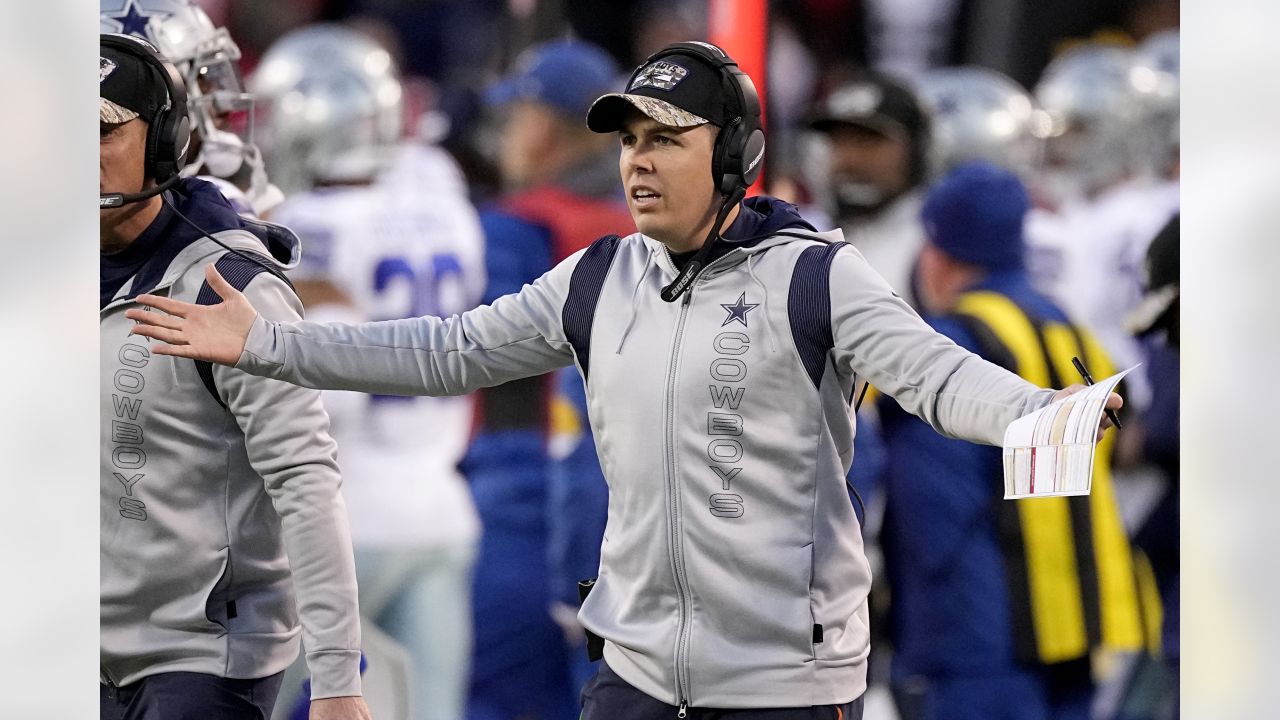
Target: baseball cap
x=128, y=87
x=679, y=89
x=874, y=101
x=975, y=212
x=565, y=74
x=1161, y=272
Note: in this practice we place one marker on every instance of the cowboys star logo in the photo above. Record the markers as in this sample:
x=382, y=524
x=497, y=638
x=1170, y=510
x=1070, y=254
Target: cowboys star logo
x=661, y=74
x=132, y=20
x=738, y=311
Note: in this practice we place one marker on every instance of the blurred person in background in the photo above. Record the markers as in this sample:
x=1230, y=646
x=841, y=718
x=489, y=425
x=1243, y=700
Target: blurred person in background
x=390, y=234
x=977, y=113
x=875, y=158
x=998, y=606
x=221, y=113
x=1103, y=205
x=878, y=134
x=224, y=534
x=1092, y=115
x=561, y=192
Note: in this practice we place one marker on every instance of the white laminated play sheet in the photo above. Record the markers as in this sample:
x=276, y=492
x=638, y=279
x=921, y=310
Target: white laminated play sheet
x=1049, y=452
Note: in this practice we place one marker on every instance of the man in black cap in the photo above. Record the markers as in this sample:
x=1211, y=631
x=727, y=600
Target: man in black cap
x=223, y=534
x=879, y=138
x=719, y=345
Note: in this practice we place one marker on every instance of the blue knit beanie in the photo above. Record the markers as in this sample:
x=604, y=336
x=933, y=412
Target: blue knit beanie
x=975, y=212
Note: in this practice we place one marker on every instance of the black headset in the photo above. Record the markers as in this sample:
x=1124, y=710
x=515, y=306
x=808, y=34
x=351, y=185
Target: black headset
x=736, y=156
x=169, y=132
x=739, y=148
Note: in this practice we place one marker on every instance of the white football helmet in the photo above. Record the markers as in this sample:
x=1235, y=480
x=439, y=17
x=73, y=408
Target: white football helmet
x=981, y=114
x=1094, y=113
x=1155, y=76
x=221, y=111
x=330, y=107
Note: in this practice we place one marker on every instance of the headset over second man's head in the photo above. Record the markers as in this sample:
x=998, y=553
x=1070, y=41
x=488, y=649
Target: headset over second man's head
x=206, y=59
x=135, y=83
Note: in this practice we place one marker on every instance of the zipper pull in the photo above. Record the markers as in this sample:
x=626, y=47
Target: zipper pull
x=684, y=707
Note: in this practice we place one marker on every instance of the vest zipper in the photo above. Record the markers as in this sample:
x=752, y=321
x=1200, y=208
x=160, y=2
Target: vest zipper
x=673, y=496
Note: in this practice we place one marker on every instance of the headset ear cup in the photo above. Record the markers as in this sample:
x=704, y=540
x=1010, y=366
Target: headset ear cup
x=752, y=157
x=173, y=136
x=726, y=158
x=737, y=155
x=181, y=140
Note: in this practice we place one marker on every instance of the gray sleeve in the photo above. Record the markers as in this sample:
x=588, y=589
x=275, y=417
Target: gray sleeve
x=881, y=338
x=518, y=336
x=287, y=440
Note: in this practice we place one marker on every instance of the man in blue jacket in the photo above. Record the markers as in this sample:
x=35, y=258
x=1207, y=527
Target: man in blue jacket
x=997, y=605
x=719, y=346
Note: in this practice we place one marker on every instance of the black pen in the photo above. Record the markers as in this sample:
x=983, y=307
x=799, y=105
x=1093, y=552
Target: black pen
x=1088, y=380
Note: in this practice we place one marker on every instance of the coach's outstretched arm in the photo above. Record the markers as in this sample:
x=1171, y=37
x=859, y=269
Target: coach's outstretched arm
x=517, y=336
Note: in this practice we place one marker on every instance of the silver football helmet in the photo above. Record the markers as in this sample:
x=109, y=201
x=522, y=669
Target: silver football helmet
x=1156, y=78
x=220, y=110
x=330, y=107
x=1093, y=114
x=981, y=114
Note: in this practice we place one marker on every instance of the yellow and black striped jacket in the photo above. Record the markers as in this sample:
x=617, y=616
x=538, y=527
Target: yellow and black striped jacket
x=1070, y=567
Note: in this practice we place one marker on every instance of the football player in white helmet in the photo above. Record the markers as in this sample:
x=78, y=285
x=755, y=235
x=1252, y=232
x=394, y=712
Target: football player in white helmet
x=1100, y=99
x=1093, y=116
x=981, y=114
x=389, y=233
x=330, y=105
x=222, y=113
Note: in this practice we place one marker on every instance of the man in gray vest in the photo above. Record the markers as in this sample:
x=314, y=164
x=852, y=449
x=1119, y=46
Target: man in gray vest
x=719, y=345
x=224, y=536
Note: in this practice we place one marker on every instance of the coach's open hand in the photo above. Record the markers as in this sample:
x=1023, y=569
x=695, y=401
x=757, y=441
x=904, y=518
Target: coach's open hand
x=202, y=332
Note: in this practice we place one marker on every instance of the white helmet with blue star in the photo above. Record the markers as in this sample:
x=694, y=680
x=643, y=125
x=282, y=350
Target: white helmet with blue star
x=220, y=109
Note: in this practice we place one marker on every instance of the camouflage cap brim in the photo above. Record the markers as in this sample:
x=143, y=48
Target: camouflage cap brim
x=606, y=113
x=113, y=114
